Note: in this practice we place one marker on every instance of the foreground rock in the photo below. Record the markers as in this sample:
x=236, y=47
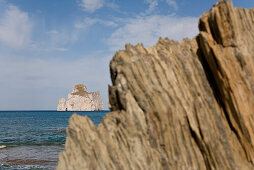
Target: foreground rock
x=81, y=100
x=185, y=105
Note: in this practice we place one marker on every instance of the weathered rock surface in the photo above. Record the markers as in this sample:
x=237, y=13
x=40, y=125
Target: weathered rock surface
x=81, y=100
x=186, y=105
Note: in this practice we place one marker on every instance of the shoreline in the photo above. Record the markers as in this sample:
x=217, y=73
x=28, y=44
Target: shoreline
x=30, y=156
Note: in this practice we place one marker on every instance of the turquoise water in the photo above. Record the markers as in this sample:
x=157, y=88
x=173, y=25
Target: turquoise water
x=33, y=139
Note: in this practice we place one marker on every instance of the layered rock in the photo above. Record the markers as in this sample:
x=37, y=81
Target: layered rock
x=186, y=105
x=226, y=40
x=81, y=100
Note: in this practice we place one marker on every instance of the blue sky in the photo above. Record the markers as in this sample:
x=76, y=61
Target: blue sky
x=48, y=46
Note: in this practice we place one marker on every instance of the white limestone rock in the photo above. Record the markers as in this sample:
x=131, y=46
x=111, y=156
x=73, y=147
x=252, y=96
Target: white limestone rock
x=81, y=100
x=61, y=104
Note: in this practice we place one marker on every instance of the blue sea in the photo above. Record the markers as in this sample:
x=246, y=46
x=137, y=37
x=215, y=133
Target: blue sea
x=33, y=139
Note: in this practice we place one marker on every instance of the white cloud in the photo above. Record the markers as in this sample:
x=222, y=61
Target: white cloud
x=58, y=49
x=172, y=3
x=15, y=28
x=58, y=38
x=112, y=5
x=91, y=5
x=148, y=29
x=152, y=5
x=88, y=22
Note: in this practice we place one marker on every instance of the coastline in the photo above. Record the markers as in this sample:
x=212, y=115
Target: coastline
x=33, y=139
x=27, y=157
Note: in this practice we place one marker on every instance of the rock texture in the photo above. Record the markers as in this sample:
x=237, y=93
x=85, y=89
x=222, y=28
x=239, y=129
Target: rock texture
x=81, y=100
x=187, y=105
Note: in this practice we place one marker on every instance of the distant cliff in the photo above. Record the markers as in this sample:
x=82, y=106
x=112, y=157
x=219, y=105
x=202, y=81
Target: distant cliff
x=177, y=105
x=81, y=100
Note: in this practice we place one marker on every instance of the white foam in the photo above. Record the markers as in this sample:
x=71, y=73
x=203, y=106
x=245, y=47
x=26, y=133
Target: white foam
x=2, y=146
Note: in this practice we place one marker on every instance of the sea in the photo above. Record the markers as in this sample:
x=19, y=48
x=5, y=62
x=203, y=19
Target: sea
x=34, y=139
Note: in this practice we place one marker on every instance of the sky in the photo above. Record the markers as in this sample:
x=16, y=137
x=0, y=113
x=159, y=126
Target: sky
x=48, y=46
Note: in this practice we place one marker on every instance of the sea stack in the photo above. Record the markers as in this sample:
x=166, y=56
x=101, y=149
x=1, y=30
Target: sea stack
x=81, y=100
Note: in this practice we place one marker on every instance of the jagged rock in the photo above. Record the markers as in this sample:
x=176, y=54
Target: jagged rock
x=186, y=105
x=227, y=42
x=81, y=100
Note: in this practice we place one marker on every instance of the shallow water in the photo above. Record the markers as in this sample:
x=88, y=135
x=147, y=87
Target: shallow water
x=33, y=139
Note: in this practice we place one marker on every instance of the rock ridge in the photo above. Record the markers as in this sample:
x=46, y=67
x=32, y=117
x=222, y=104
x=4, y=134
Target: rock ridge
x=176, y=105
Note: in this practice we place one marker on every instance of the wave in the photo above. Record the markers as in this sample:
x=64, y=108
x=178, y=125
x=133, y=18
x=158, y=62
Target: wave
x=11, y=145
x=2, y=146
x=63, y=131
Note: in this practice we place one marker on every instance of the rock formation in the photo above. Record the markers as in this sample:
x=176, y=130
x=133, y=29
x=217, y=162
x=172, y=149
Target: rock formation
x=187, y=105
x=81, y=100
